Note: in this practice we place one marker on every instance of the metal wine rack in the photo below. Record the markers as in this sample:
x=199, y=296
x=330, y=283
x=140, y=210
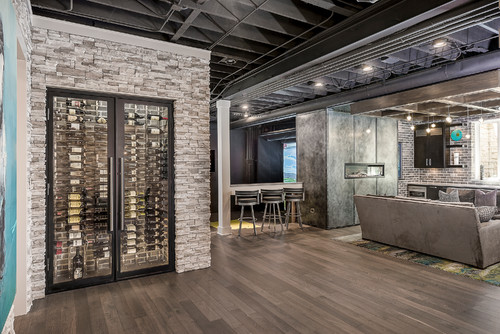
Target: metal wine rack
x=80, y=187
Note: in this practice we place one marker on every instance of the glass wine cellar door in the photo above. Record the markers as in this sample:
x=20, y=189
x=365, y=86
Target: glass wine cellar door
x=109, y=193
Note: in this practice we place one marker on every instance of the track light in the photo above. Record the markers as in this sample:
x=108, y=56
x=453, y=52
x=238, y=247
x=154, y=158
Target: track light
x=318, y=84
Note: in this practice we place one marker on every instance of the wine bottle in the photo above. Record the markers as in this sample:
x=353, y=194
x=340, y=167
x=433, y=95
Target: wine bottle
x=77, y=265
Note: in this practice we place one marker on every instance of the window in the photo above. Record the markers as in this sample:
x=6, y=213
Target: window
x=486, y=150
x=290, y=162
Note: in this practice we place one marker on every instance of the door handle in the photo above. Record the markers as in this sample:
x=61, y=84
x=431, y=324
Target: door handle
x=111, y=193
x=427, y=162
x=122, y=196
x=430, y=162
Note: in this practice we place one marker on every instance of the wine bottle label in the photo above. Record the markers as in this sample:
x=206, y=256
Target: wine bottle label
x=133, y=172
x=130, y=242
x=131, y=235
x=74, y=220
x=106, y=254
x=133, y=158
x=75, y=204
x=132, y=193
x=155, y=131
x=75, y=126
x=103, y=179
x=78, y=273
x=155, y=144
x=75, y=227
x=155, y=118
x=131, y=227
x=101, y=120
x=132, y=151
x=131, y=250
x=75, y=157
x=73, y=212
x=103, y=187
x=59, y=244
x=133, y=144
x=131, y=115
x=75, y=103
x=103, y=172
x=133, y=137
x=74, y=182
x=131, y=214
x=74, y=197
x=75, y=234
x=132, y=207
x=132, y=200
x=72, y=111
x=58, y=251
x=131, y=122
x=76, y=165
x=72, y=118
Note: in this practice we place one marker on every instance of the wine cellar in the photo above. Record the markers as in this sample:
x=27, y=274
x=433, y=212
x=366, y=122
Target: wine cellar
x=111, y=190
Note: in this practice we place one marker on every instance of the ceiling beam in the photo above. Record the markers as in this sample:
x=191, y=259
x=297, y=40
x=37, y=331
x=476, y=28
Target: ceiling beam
x=185, y=25
x=346, y=36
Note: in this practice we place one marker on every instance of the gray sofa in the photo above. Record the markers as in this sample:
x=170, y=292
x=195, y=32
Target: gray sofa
x=448, y=230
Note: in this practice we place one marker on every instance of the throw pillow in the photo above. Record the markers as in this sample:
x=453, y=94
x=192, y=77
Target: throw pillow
x=486, y=199
x=485, y=213
x=451, y=197
x=465, y=195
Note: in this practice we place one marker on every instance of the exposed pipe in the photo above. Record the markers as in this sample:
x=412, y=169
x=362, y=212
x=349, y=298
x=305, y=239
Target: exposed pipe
x=466, y=67
x=70, y=6
x=449, y=22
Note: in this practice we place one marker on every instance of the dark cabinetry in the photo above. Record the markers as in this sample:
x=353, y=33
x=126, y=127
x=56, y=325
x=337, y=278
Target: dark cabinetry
x=429, y=147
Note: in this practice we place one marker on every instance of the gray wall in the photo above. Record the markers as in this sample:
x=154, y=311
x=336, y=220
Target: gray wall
x=269, y=161
x=328, y=140
x=311, y=166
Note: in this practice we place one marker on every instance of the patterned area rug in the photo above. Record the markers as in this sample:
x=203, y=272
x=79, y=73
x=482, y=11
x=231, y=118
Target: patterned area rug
x=490, y=274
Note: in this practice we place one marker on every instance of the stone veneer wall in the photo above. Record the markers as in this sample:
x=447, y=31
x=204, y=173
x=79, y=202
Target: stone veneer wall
x=72, y=61
x=23, y=13
x=438, y=175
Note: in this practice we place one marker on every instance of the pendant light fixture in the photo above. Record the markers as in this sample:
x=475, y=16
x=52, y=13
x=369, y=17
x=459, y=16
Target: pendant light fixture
x=433, y=125
x=448, y=119
x=409, y=118
x=428, y=130
x=467, y=135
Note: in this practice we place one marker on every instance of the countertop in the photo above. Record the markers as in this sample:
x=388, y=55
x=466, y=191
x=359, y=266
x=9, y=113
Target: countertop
x=458, y=185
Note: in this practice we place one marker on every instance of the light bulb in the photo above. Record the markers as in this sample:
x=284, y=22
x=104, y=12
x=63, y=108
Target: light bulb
x=368, y=130
x=433, y=125
x=412, y=127
x=448, y=119
x=408, y=117
x=318, y=84
x=439, y=43
x=467, y=136
x=481, y=120
x=245, y=106
x=367, y=68
x=428, y=130
x=246, y=114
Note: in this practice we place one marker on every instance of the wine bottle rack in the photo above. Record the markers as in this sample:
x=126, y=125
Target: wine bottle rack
x=80, y=187
x=145, y=242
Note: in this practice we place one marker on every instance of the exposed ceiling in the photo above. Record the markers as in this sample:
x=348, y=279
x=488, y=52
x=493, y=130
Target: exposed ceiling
x=270, y=54
x=473, y=95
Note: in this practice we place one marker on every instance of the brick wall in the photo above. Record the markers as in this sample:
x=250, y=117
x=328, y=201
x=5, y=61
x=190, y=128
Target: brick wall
x=72, y=61
x=439, y=175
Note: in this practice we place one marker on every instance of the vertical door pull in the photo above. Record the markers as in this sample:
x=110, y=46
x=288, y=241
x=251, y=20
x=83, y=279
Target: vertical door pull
x=111, y=193
x=122, y=195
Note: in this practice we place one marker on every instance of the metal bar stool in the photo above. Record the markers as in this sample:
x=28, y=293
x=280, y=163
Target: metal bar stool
x=247, y=198
x=273, y=198
x=295, y=195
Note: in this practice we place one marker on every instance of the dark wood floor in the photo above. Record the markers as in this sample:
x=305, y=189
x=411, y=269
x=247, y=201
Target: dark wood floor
x=295, y=282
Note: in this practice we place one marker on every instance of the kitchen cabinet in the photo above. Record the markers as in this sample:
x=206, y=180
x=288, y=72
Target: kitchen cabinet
x=429, y=147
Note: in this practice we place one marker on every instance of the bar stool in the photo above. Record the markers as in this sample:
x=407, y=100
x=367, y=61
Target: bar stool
x=247, y=198
x=295, y=195
x=274, y=198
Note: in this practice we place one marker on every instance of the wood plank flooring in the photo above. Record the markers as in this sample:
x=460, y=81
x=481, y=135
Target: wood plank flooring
x=291, y=282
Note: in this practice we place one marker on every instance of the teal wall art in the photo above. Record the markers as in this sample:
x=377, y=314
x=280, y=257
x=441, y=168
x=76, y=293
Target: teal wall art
x=8, y=108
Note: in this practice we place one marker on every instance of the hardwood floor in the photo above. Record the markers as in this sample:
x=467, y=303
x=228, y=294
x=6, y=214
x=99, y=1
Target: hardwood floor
x=295, y=282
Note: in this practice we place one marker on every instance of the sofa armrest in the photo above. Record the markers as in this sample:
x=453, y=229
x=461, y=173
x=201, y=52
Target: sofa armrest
x=489, y=237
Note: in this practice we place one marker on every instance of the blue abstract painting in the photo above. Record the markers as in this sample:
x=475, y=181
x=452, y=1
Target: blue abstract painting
x=8, y=108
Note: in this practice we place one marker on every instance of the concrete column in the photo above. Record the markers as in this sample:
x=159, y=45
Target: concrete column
x=224, y=163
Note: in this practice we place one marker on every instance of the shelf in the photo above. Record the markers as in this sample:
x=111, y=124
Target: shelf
x=455, y=166
x=454, y=145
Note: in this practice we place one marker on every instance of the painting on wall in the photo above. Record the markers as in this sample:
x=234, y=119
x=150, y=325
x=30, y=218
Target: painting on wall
x=8, y=108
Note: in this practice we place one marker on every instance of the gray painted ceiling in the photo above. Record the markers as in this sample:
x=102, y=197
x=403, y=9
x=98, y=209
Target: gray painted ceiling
x=270, y=54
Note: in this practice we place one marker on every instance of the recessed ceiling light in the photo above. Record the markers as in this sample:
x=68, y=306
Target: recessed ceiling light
x=439, y=43
x=244, y=107
x=318, y=84
x=246, y=114
x=367, y=68
x=368, y=130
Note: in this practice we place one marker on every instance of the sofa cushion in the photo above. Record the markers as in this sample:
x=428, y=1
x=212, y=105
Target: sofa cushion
x=465, y=195
x=485, y=213
x=449, y=197
x=486, y=199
